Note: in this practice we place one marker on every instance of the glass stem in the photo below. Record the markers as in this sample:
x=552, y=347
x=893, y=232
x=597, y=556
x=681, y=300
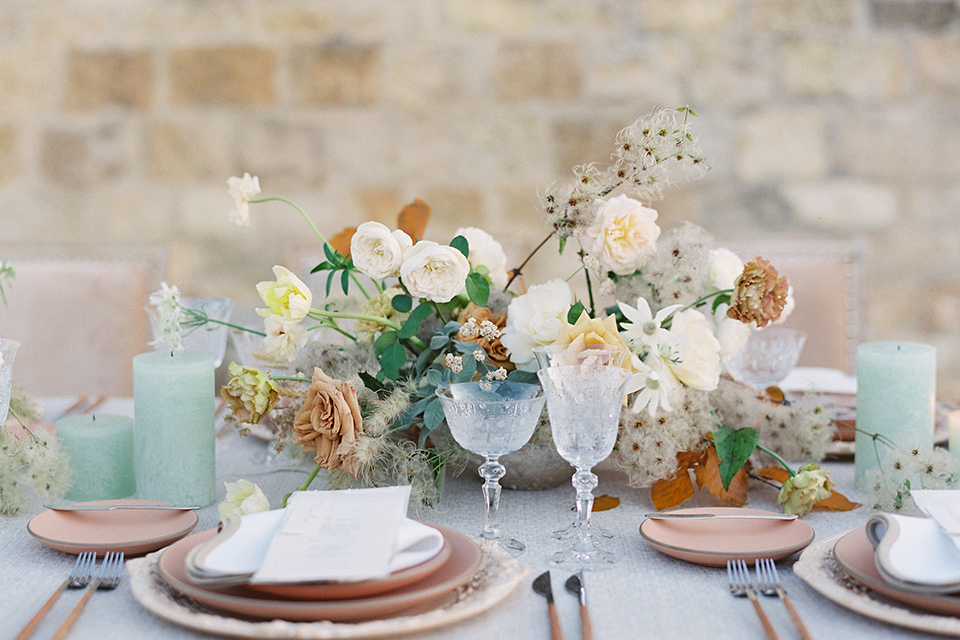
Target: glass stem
x=491, y=471
x=584, y=481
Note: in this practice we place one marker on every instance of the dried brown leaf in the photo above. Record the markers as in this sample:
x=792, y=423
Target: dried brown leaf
x=836, y=502
x=672, y=491
x=341, y=241
x=605, y=503
x=708, y=476
x=775, y=474
x=413, y=219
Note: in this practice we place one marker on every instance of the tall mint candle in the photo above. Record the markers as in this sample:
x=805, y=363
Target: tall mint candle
x=100, y=450
x=896, y=394
x=173, y=393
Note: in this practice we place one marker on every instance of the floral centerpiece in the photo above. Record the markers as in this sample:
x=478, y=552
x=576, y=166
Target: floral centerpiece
x=365, y=404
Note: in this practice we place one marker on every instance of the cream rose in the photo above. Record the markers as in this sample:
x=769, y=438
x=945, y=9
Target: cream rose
x=288, y=299
x=283, y=340
x=378, y=252
x=535, y=319
x=243, y=497
x=721, y=270
x=698, y=351
x=802, y=491
x=250, y=393
x=731, y=334
x=623, y=235
x=486, y=251
x=433, y=271
x=329, y=423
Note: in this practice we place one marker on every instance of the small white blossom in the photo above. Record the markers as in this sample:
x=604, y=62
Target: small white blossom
x=242, y=190
x=497, y=374
x=608, y=287
x=167, y=302
x=489, y=330
x=479, y=355
x=454, y=363
x=469, y=329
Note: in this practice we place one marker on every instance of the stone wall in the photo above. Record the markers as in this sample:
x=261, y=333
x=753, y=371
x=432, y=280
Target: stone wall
x=120, y=121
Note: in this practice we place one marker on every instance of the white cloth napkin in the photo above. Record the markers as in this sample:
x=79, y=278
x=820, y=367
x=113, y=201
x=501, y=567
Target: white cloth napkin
x=914, y=554
x=238, y=552
x=819, y=380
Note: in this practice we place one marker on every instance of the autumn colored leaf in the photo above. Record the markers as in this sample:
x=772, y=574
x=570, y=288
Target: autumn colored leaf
x=708, y=476
x=836, y=502
x=413, y=219
x=776, y=474
x=605, y=503
x=672, y=491
x=341, y=241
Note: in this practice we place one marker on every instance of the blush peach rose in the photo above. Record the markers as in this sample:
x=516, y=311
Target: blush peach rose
x=329, y=423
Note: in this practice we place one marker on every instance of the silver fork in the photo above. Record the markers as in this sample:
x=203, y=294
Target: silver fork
x=107, y=578
x=739, y=578
x=768, y=582
x=80, y=575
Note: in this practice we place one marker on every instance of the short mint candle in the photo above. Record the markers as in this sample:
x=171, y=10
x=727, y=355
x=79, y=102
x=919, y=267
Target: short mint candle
x=99, y=448
x=173, y=396
x=896, y=396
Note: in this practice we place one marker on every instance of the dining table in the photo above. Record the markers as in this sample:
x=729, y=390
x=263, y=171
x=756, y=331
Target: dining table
x=645, y=594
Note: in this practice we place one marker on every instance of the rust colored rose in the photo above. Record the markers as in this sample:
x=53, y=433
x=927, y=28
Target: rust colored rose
x=759, y=294
x=329, y=423
x=495, y=351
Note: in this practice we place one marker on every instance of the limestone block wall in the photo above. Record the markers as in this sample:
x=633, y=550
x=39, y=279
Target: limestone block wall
x=120, y=121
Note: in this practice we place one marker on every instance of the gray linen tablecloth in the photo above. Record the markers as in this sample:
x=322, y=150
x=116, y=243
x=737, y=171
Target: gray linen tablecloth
x=647, y=594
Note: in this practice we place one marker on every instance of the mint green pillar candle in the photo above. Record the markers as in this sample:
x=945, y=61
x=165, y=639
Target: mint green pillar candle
x=173, y=396
x=99, y=448
x=896, y=394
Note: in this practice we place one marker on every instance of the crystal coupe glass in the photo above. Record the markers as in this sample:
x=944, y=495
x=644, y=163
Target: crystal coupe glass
x=8, y=351
x=767, y=357
x=208, y=338
x=584, y=406
x=492, y=418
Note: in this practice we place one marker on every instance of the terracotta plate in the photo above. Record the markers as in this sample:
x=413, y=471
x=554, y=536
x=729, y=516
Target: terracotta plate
x=132, y=531
x=713, y=542
x=425, y=594
x=855, y=554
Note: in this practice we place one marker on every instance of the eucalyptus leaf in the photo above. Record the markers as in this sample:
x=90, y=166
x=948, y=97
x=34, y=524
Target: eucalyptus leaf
x=434, y=377
x=439, y=342
x=733, y=449
x=432, y=418
x=460, y=244
x=392, y=360
x=478, y=288
x=466, y=374
x=384, y=340
x=402, y=302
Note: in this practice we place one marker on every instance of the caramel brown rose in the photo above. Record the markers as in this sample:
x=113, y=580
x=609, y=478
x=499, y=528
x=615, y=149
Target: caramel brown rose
x=759, y=294
x=329, y=423
x=496, y=352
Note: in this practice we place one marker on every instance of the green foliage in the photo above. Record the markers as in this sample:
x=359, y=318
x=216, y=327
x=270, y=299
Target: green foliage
x=733, y=449
x=478, y=288
x=574, y=313
x=402, y=302
x=335, y=262
x=460, y=244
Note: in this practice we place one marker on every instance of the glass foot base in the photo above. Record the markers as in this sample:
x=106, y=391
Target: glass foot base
x=572, y=532
x=513, y=547
x=591, y=559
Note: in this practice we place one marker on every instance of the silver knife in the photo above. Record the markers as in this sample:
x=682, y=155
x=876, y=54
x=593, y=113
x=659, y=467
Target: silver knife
x=720, y=516
x=112, y=507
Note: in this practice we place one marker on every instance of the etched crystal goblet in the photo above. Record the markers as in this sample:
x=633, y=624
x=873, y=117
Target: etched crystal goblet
x=8, y=351
x=492, y=418
x=584, y=407
x=767, y=357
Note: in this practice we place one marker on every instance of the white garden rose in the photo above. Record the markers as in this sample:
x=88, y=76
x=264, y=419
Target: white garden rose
x=698, y=351
x=378, y=252
x=486, y=251
x=283, y=340
x=535, y=319
x=288, y=299
x=434, y=271
x=623, y=235
x=721, y=270
x=787, y=307
x=731, y=334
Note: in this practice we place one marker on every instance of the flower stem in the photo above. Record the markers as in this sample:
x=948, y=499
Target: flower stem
x=304, y=486
x=314, y=312
x=302, y=212
x=203, y=319
x=778, y=459
x=519, y=270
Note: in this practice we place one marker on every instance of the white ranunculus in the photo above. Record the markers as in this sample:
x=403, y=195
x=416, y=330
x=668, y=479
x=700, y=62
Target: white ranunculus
x=623, y=234
x=721, y=270
x=732, y=334
x=243, y=497
x=283, y=340
x=486, y=251
x=535, y=319
x=434, y=271
x=287, y=298
x=242, y=190
x=698, y=351
x=378, y=252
